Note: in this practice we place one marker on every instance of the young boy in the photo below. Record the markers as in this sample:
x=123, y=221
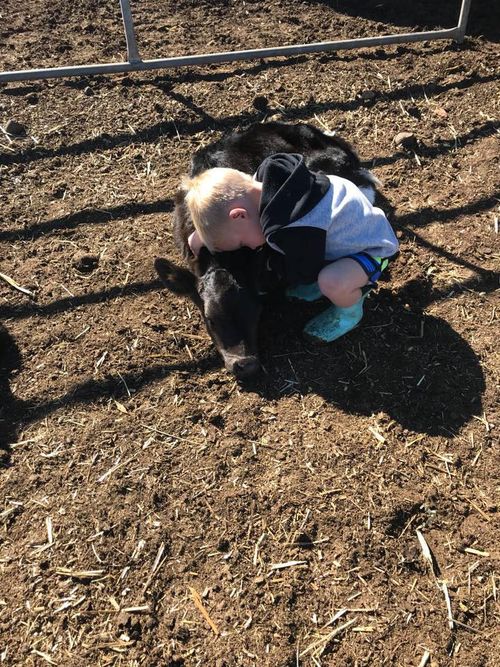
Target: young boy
x=323, y=227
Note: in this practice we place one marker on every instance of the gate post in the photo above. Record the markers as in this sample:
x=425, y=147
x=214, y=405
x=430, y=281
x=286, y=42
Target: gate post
x=462, y=20
x=128, y=24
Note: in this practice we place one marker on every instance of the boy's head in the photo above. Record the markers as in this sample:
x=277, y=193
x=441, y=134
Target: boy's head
x=224, y=206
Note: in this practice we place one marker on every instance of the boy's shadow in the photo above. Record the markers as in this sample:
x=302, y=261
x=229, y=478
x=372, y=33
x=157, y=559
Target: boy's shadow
x=10, y=406
x=410, y=365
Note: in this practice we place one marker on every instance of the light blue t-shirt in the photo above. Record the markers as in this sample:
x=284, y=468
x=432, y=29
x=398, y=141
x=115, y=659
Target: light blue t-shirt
x=351, y=222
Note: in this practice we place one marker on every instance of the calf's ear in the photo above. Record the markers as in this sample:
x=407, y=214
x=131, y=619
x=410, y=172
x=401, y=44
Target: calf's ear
x=177, y=279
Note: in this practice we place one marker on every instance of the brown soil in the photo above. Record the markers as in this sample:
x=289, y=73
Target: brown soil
x=135, y=470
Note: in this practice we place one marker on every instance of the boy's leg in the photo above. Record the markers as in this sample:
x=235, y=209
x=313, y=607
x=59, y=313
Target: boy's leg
x=342, y=283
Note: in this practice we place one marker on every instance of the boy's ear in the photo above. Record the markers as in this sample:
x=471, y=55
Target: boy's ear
x=238, y=213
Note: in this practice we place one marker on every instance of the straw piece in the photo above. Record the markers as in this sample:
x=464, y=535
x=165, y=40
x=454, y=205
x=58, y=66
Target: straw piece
x=290, y=563
x=336, y=616
x=326, y=639
x=45, y=656
x=158, y=562
x=427, y=553
x=10, y=281
x=377, y=434
x=425, y=659
x=79, y=574
x=199, y=605
x=444, y=588
x=476, y=552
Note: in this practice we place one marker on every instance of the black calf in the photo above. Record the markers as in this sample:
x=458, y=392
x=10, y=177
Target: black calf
x=226, y=287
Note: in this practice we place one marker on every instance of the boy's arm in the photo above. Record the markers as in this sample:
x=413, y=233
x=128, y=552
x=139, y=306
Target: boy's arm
x=195, y=243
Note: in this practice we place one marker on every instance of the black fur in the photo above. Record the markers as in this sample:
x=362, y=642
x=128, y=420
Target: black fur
x=247, y=149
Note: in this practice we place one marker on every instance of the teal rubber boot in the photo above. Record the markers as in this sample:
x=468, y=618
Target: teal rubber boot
x=334, y=322
x=310, y=292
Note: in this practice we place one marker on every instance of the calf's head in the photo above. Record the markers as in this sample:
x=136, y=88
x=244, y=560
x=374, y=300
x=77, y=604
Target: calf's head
x=224, y=290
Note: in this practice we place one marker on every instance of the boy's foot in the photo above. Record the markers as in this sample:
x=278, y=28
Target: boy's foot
x=334, y=322
x=309, y=292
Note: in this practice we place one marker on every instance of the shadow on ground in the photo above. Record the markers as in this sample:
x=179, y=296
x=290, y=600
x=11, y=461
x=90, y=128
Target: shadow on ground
x=166, y=129
x=10, y=407
x=31, y=308
x=16, y=414
x=412, y=366
x=484, y=17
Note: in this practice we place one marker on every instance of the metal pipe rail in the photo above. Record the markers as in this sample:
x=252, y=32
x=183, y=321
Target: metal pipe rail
x=136, y=64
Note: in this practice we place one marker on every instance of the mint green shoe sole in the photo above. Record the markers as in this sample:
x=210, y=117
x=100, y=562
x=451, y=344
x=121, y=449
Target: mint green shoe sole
x=334, y=322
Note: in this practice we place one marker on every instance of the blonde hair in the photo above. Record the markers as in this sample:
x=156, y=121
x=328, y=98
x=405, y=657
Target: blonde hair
x=209, y=196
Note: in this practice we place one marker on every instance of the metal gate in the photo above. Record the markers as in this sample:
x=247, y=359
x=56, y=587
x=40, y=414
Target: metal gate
x=134, y=62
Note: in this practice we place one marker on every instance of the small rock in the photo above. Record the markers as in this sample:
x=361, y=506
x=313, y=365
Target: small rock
x=32, y=98
x=439, y=111
x=88, y=91
x=85, y=263
x=15, y=129
x=406, y=140
x=367, y=95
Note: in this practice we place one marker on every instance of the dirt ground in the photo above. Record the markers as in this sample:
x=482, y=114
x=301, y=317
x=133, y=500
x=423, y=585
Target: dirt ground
x=153, y=511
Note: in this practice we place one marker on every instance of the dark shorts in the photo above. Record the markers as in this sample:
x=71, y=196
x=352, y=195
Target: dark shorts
x=372, y=266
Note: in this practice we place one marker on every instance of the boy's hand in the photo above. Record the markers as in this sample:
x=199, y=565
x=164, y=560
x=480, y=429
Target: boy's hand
x=195, y=243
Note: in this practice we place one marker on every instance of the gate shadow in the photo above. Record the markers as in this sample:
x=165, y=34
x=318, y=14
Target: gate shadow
x=16, y=414
x=31, y=308
x=88, y=216
x=169, y=129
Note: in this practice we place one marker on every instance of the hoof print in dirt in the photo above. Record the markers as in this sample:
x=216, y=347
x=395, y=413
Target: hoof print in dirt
x=85, y=263
x=260, y=103
x=15, y=129
x=127, y=626
x=304, y=541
